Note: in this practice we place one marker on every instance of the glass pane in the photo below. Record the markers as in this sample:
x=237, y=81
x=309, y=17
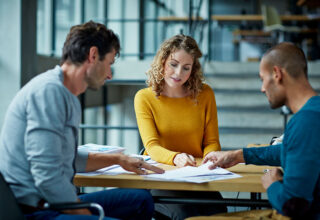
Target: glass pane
x=44, y=27
x=131, y=9
x=95, y=10
x=114, y=9
x=131, y=38
x=151, y=36
x=40, y=27
x=67, y=15
x=150, y=8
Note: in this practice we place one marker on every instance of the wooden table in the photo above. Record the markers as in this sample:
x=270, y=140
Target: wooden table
x=249, y=182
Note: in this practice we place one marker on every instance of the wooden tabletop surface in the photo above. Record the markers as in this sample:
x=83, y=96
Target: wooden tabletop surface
x=249, y=182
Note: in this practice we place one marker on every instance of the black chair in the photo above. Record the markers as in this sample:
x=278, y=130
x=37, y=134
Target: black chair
x=10, y=209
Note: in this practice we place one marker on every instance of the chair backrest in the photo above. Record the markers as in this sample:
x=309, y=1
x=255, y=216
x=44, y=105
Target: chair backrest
x=270, y=17
x=9, y=208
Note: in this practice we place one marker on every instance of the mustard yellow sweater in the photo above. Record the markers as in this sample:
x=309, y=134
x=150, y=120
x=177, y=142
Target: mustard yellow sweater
x=169, y=126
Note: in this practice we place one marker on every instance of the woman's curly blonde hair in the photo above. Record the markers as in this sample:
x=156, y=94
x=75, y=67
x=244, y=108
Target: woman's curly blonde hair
x=156, y=72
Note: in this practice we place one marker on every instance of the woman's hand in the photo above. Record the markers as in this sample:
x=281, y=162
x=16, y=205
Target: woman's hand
x=183, y=159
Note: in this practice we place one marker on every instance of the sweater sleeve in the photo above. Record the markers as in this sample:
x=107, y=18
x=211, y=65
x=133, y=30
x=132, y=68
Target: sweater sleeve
x=81, y=160
x=301, y=163
x=211, y=134
x=43, y=138
x=269, y=155
x=148, y=131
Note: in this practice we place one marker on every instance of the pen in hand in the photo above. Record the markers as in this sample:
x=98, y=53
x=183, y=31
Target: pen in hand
x=192, y=160
x=184, y=159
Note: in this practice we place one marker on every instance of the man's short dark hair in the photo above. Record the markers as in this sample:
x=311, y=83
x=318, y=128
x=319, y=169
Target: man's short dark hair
x=288, y=56
x=84, y=36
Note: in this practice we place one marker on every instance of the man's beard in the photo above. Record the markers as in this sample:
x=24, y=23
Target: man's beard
x=92, y=83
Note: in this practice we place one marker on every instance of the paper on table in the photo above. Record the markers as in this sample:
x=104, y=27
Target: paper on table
x=191, y=171
x=194, y=174
x=146, y=158
x=111, y=170
x=101, y=148
x=203, y=179
x=199, y=174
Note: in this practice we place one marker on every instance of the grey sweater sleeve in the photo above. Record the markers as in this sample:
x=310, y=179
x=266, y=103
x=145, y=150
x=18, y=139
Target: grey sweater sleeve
x=81, y=160
x=46, y=116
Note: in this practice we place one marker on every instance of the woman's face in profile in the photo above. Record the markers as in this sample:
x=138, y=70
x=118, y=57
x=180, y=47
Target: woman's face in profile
x=177, y=68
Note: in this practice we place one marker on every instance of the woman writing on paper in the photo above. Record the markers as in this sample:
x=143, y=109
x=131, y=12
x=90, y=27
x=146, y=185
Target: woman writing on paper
x=177, y=113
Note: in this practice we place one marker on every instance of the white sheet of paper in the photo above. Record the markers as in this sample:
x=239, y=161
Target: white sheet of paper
x=194, y=174
x=111, y=170
x=199, y=174
x=203, y=179
x=189, y=171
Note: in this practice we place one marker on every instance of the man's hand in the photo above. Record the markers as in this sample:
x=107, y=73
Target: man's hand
x=134, y=164
x=275, y=174
x=224, y=159
x=100, y=160
x=183, y=159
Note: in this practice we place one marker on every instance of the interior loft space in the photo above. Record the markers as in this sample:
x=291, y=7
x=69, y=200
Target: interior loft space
x=233, y=35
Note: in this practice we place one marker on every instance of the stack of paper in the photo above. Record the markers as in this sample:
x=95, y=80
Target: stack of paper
x=101, y=148
x=198, y=174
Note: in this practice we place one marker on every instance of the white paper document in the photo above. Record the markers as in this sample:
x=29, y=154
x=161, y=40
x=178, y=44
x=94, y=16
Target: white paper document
x=101, y=148
x=198, y=174
x=111, y=170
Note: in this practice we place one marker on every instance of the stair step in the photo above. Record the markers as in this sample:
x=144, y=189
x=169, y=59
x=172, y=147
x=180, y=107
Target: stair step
x=236, y=141
x=230, y=98
x=231, y=83
x=250, y=119
x=252, y=108
x=248, y=84
x=249, y=130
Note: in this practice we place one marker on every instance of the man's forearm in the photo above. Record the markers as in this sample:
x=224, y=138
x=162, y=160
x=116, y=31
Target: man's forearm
x=239, y=156
x=100, y=160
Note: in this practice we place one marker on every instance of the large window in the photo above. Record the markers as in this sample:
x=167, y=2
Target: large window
x=143, y=24
x=137, y=22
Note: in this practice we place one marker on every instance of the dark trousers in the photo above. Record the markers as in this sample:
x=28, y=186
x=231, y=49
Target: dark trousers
x=182, y=211
x=130, y=204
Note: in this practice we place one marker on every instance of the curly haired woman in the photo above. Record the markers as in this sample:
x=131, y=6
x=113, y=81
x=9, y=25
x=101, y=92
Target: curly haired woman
x=177, y=113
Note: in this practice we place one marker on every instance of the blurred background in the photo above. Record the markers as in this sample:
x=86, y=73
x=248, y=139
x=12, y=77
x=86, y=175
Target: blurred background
x=232, y=34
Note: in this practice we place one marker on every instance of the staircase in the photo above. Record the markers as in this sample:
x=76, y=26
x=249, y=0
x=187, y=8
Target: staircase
x=244, y=115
